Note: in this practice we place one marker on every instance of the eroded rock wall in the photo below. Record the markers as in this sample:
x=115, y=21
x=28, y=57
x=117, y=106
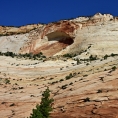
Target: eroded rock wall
x=63, y=37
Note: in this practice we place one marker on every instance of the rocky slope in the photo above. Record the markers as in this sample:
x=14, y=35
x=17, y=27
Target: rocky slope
x=84, y=89
x=63, y=36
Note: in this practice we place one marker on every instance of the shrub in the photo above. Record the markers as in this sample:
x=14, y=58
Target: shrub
x=114, y=68
x=87, y=99
x=43, y=110
x=51, y=78
x=71, y=83
x=105, y=69
x=69, y=55
x=61, y=80
x=7, y=81
x=69, y=76
x=85, y=75
x=99, y=91
x=87, y=64
x=26, y=55
x=106, y=56
x=64, y=86
x=89, y=46
x=92, y=57
x=112, y=54
x=54, y=82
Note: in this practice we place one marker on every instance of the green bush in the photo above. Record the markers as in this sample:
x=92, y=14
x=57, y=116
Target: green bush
x=26, y=55
x=7, y=81
x=106, y=56
x=69, y=55
x=71, y=83
x=112, y=54
x=69, y=76
x=93, y=57
x=114, y=68
x=99, y=91
x=64, y=86
x=61, y=80
x=87, y=99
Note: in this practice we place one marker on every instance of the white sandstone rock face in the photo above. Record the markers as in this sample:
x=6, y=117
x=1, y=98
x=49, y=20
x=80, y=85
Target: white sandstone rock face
x=66, y=36
x=13, y=43
x=104, y=17
x=80, y=19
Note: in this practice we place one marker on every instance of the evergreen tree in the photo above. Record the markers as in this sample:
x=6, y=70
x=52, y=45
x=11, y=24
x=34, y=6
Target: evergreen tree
x=42, y=110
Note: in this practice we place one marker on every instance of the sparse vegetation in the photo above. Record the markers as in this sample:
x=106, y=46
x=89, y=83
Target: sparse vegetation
x=54, y=82
x=69, y=55
x=93, y=57
x=105, y=57
x=87, y=64
x=26, y=55
x=89, y=46
x=85, y=75
x=64, y=86
x=51, y=78
x=111, y=55
x=12, y=105
x=7, y=81
x=114, y=68
x=69, y=76
x=61, y=80
x=87, y=99
x=71, y=83
x=99, y=91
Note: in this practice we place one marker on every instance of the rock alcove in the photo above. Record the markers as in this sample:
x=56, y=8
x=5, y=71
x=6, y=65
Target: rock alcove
x=58, y=40
x=61, y=37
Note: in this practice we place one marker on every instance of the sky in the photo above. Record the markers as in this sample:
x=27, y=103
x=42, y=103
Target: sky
x=23, y=12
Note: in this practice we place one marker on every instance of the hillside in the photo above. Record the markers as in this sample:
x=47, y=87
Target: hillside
x=80, y=67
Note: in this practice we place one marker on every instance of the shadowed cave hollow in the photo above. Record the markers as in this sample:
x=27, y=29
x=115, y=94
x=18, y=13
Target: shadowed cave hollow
x=61, y=37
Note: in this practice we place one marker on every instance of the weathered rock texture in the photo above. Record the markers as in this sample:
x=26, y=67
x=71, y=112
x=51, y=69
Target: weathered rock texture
x=63, y=36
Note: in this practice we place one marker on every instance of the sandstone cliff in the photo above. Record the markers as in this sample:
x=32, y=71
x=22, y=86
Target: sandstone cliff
x=64, y=36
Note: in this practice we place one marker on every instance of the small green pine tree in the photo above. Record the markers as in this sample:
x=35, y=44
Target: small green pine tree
x=43, y=110
x=36, y=113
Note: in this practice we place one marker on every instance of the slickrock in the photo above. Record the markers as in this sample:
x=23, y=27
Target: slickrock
x=83, y=83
